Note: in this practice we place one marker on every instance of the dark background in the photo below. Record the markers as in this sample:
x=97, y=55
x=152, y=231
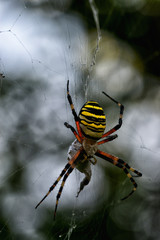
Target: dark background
x=30, y=139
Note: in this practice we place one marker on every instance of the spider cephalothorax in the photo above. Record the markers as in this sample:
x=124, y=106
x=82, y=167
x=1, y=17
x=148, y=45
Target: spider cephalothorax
x=90, y=124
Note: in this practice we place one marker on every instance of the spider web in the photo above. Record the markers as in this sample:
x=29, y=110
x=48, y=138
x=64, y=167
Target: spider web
x=40, y=51
x=29, y=148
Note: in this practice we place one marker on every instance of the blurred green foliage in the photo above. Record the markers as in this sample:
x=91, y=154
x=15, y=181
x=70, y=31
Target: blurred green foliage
x=138, y=26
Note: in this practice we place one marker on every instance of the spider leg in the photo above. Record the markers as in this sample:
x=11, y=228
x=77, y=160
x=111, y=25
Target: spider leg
x=68, y=165
x=108, y=139
x=54, y=184
x=123, y=165
x=122, y=162
x=73, y=130
x=120, y=117
x=116, y=160
x=91, y=161
x=76, y=157
x=76, y=118
x=61, y=187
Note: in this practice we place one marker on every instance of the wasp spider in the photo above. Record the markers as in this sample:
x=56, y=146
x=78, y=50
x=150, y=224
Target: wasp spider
x=90, y=124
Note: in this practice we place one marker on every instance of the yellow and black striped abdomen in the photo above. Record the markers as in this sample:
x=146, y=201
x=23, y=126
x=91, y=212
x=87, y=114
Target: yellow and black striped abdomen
x=92, y=120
